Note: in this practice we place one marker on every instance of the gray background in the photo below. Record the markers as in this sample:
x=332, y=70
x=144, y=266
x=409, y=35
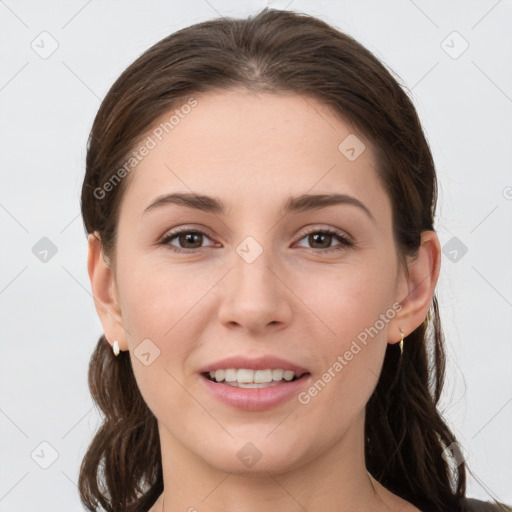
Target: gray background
x=47, y=104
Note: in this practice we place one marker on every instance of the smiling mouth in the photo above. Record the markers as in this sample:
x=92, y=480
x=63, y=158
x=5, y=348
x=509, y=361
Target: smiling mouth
x=245, y=378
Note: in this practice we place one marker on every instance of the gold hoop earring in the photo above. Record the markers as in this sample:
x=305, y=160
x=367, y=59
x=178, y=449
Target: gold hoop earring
x=401, y=342
x=115, y=348
x=427, y=319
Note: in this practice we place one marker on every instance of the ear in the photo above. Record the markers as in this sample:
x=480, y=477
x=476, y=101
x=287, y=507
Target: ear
x=418, y=282
x=104, y=292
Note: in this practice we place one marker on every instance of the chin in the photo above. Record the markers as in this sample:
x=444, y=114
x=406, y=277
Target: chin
x=256, y=458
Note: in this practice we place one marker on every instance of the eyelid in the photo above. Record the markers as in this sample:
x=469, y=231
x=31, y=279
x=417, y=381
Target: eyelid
x=173, y=233
x=346, y=240
x=205, y=231
x=327, y=229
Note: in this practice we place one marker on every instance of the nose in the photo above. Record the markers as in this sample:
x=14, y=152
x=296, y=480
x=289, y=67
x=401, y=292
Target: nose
x=255, y=297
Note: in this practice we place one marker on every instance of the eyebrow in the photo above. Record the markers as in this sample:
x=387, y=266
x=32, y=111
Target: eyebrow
x=304, y=202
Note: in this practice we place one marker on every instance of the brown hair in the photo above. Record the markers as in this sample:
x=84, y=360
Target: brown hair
x=274, y=51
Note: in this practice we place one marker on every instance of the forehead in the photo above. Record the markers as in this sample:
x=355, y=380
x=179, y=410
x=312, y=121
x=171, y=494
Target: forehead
x=250, y=147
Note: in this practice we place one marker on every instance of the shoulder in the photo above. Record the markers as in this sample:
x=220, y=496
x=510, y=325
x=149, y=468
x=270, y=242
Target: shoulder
x=473, y=505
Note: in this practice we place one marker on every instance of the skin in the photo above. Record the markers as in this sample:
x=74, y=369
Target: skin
x=295, y=301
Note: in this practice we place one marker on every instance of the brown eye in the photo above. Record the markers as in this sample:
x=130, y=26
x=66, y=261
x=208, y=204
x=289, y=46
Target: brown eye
x=320, y=240
x=188, y=240
x=323, y=239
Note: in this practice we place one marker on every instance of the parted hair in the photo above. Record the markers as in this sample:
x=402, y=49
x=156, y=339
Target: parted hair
x=408, y=445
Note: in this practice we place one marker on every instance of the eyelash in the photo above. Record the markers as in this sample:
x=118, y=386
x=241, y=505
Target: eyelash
x=345, y=242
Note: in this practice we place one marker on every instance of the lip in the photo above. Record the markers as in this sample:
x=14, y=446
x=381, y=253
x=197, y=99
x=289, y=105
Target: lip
x=256, y=399
x=257, y=363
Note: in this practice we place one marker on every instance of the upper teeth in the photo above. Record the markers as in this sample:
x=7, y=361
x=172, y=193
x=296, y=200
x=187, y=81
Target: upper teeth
x=255, y=376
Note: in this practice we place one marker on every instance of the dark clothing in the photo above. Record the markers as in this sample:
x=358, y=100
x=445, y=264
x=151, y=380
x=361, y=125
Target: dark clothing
x=473, y=505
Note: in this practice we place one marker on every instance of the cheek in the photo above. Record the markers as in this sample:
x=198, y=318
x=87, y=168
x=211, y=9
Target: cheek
x=172, y=304
x=337, y=315
x=161, y=308
x=352, y=300
x=156, y=297
x=356, y=308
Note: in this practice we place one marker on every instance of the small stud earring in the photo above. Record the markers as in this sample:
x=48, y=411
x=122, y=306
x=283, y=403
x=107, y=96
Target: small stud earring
x=115, y=348
x=402, y=342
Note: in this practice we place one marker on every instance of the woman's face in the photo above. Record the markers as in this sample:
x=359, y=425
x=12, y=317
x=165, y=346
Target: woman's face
x=262, y=279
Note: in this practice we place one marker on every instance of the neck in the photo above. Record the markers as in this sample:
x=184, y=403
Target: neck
x=337, y=476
